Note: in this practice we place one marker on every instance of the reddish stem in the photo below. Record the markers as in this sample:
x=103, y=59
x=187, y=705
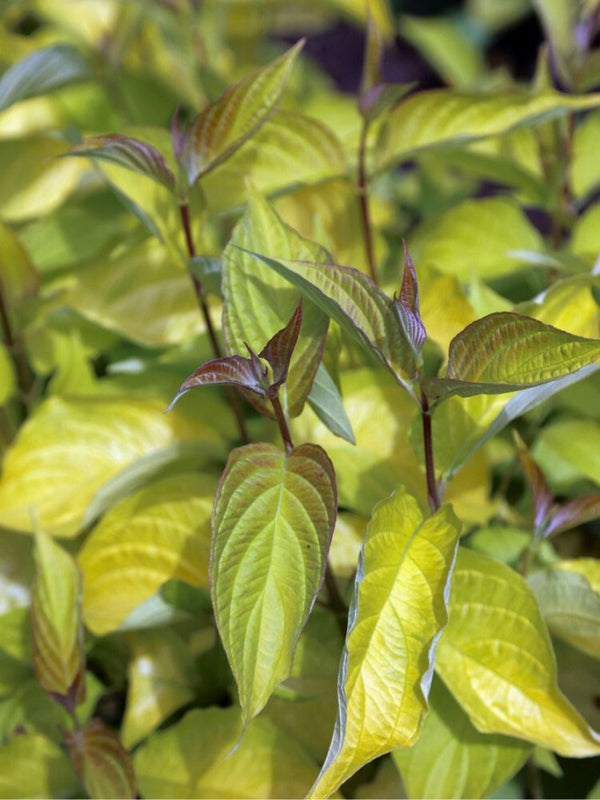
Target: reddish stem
x=432, y=490
x=216, y=348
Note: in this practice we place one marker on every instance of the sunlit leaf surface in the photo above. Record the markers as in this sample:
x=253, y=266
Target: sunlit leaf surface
x=272, y=524
x=395, y=619
x=496, y=658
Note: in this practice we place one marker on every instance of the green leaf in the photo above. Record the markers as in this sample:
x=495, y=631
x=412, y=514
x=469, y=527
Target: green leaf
x=58, y=654
x=573, y=442
x=496, y=658
x=452, y=759
x=585, y=171
x=34, y=180
x=326, y=401
x=128, y=152
x=161, y=676
x=397, y=613
x=442, y=117
x=352, y=299
x=290, y=150
x=258, y=303
x=31, y=765
x=272, y=523
x=159, y=533
x=140, y=293
x=101, y=761
x=40, y=72
x=475, y=238
x=202, y=756
x=18, y=278
x=224, y=126
x=570, y=607
x=505, y=351
x=117, y=440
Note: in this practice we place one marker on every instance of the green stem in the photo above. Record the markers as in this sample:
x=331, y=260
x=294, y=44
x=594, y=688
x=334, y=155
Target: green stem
x=534, y=783
x=230, y=394
x=16, y=352
x=363, y=196
x=432, y=490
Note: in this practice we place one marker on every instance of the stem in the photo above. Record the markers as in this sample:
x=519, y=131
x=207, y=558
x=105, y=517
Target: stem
x=283, y=426
x=230, y=394
x=534, y=783
x=16, y=352
x=198, y=288
x=432, y=491
x=363, y=195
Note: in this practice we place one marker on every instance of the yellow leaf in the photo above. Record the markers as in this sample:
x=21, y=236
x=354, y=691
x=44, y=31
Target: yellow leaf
x=496, y=658
x=159, y=533
x=398, y=611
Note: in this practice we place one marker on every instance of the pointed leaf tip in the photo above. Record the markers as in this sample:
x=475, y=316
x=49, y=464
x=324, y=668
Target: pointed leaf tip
x=407, y=307
x=225, y=125
x=227, y=371
x=279, y=349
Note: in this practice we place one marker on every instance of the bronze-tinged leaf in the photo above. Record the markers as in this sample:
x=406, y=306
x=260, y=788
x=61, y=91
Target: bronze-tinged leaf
x=128, y=152
x=227, y=371
x=504, y=352
x=58, y=654
x=543, y=499
x=279, y=349
x=574, y=513
x=101, y=761
x=407, y=307
x=224, y=126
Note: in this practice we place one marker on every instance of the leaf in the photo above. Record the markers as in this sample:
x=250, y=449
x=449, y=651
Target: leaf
x=443, y=116
x=58, y=654
x=139, y=293
x=542, y=497
x=272, y=523
x=31, y=765
x=571, y=441
x=280, y=347
x=570, y=607
x=585, y=173
x=291, y=150
x=41, y=72
x=352, y=299
x=574, y=513
x=505, y=351
x=18, y=278
x=34, y=180
x=588, y=567
x=101, y=761
x=452, y=759
x=309, y=715
x=395, y=619
x=406, y=307
x=496, y=658
x=202, y=756
x=159, y=533
x=326, y=401
x=227, y=371
x=258, y=303
x=224, y=126
x=475, y=238
x=161, y=677
x=128, y=152
x=118, y=440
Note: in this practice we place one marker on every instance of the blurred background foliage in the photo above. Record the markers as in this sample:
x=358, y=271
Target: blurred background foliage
x=102, y=325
